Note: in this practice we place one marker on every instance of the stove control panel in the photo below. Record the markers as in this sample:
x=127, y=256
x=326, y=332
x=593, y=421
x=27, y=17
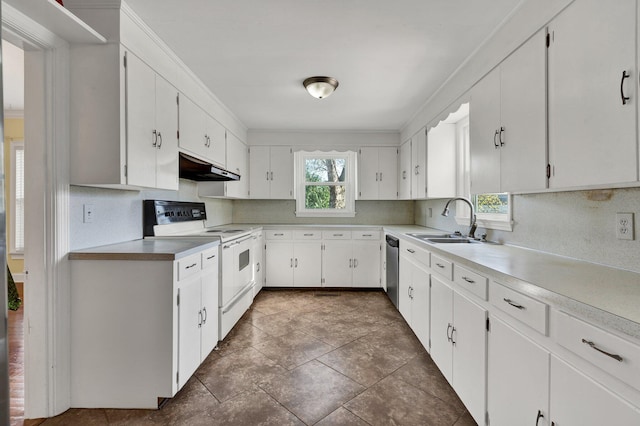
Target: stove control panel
x=160, y=212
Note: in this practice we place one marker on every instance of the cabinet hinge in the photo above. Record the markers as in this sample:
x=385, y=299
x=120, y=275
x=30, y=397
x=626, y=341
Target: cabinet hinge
x=178, y=377
x=429, y=342
x=125, y=59
x=548, y=171
x=486, y=418
x=178, y=133
x=290, y=150
x=178, y=99
x=322, y=280
x=488, y=325
x=548, y=41
x=125, y=170
x=178, y=299
x=359, y=193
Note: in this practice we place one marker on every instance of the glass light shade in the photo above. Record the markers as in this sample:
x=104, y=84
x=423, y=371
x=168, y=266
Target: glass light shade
x=320, y=87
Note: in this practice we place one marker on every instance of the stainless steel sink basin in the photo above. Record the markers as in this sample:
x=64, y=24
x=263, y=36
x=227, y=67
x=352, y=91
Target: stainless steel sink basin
x=427, y=236
x=443, y=238
x=450, y=240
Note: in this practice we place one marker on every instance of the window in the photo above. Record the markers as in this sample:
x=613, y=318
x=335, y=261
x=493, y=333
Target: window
x=16, y=239
x=493, y=211
x=325, y=184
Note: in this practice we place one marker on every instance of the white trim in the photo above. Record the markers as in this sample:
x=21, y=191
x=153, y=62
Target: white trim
x=14, y=146
x=13, y=113
x=19, y=278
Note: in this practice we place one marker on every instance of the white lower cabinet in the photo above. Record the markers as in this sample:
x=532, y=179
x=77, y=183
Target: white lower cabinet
x=578, y=400
x=459, y=344
x=351, y=263
x=293, y=264
x=414, y=298
x=518, y=378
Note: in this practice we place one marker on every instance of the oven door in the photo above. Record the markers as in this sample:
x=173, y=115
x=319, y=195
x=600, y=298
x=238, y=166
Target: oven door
x=236, y=269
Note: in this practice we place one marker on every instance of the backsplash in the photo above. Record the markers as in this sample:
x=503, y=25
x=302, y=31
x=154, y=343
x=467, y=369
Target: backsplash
x=118, y=214
x=577, y=224
x=283, y=211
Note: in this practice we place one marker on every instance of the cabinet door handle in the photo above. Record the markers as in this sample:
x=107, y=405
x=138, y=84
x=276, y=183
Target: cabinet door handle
x=258, y=267
x=355, y=263
x=469, y=280
x=267, y=175
x=291, y=263
x=453, y=330
x=271, y=175
x=191, y=266
x=449, y=327
x=500, y=138
x=540, y=416
x=380, y=176
x=204, y=314
x=411, y=251
x=512, y=303
x=404, y=174
x=154, y=142
x=376, y=176
x=211, y=257
x=350, y=263
x=624, y=76
x=159, y=140
x=296, y=263
x=593, y=345
x=205, y=139
x=199, y=318
x=440, y=265
x=495, y=140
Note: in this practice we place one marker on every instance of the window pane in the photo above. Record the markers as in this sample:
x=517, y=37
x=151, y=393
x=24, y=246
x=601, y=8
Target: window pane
x=325, y=197
x=492, y=203
x=325, y=169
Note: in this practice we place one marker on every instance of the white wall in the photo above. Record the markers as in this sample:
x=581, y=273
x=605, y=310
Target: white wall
x=118, y=214
x=323, y=139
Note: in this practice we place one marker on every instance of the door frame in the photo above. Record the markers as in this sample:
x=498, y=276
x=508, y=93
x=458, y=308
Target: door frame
x=47, y=279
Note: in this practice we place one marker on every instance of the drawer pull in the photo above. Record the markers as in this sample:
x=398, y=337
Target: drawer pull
x=593, y=345
x=338, y=235
x=211, y=257
x=439, y=265
x=367, y=235
x=515, y=305
x=191, y=266
x=278, y=235
x=469, y=280
x=308, y=235
x=411, y=250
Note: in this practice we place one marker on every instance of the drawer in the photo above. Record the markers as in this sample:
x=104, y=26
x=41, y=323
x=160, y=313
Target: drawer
x=530, y=311
x=471, y=281
x=307, y=235
x=278, y=235
x=210, y=258
x=188, y=266
x=336, y=235
x=415, y=253
x=366, y=235
x=618, y=357
x=442, y=266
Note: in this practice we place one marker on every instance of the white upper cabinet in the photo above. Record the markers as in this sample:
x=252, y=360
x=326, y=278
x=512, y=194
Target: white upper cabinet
x=508, y=123
x=593, y=94
x=404, y=171
x=200, y=134
x=378, y=173
x=419, y=164
x=124, y=132
x=237, y=162
x=271, y=172
x=441, y=161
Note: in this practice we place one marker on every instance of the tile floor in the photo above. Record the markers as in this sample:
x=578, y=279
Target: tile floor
x=307, y=357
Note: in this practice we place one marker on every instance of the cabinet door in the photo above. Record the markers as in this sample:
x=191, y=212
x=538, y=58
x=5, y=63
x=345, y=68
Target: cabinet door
x=578, y=400
x=404, y=175
x=189, y=323
x=523, y=157
x=337, y=264
x=441, y=161
x=592, y=135
x=307, y=264
x=366, y=263
x=420, y=305
x=368, y=173
x=484, y=129
x=281, y=173
x=237, y=159
x=470, y=355
x=279, y=260
x=192, y=125
x=405, y=282
x=259, y=169
x=517, y=366
x=419, y=165
x=388, y=173
x=141, y=130
x=167, y=126
x=441, y=326
x=209, y=296
x=216, y=149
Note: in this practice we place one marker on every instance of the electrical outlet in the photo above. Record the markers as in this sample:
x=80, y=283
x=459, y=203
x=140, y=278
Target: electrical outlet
x=88, y=213
x=624, y=226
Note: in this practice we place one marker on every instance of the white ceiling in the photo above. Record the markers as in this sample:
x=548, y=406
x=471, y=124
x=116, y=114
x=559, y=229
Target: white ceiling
x=12, y=77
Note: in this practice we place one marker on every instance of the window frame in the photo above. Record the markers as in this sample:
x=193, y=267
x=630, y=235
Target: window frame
x=16, y=253
x=349, y=183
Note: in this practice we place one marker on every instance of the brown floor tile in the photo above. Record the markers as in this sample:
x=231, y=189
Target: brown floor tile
x=466, y=420
x=279, y=324
x=393, y=401
x=253, y=408
x=422, y=373
x=228, y=376
x=362, y=362
x=79, y=417
x=342, y=417
x=243, y=335
x=293, y=349
x=312, y=391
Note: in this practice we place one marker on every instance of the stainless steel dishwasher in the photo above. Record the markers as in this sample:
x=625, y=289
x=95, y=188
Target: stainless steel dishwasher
x=393, y=253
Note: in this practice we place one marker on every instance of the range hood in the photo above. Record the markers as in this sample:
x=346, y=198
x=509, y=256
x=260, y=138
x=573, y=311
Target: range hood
x=201, y=171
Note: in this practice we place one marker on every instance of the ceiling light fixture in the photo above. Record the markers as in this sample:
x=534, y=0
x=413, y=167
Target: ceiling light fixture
x=320, y=87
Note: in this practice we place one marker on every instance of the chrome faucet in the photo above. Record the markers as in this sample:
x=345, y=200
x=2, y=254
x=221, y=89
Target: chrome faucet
x=472, y=221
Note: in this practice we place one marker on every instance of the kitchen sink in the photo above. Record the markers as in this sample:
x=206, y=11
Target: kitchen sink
x=443, y=238
x=450, y=240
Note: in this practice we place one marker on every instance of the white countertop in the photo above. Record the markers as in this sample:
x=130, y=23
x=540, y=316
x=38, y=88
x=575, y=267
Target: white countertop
x=563, y=282
x=166, y=249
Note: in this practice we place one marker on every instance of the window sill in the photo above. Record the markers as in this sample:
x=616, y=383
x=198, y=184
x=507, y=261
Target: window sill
x=16, y=255
x=498, y=225
x=325, y=214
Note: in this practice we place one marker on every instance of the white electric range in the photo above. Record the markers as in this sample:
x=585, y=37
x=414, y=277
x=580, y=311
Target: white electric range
x=237, y=265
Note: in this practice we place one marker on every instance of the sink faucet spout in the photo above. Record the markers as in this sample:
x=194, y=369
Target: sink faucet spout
x=472, y=220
